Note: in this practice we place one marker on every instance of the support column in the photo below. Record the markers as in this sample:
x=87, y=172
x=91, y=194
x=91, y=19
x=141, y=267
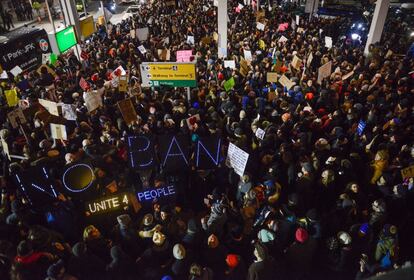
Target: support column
x=311, y=7
x=71, y=16
x=222, y=28
x=377, y=23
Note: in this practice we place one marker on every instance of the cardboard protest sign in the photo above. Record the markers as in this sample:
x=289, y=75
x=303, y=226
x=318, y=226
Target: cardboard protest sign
x=16, y=70
x=50, y=106
x=128, y=111
x=206, y=40
x=230, y=64
x=92, y=101
x=284, y=81
x=247, y=55
x=16, y=117
x=309, y=60
x=260, y=26
x=170, y=3
x=69, y=112
x=346, y=76
x=174, y=152
x=324, y=71
x=58, y=131
x=123, y=84
x=190, y=40
x=114, y=204
x=260, y=16
x=11, y=97
x=142, y=34
x=282, y=39
x=141, y=153
x=271, y=77
x=407, y=172
x=237, y=159
x=184, y=55
x=260, y=133
x=5, y=148
x=164, y=54
x=229, y=84
x=191, y=121
x=296, y=62
x=50, y=70
x=244, y=67
x=328, y=42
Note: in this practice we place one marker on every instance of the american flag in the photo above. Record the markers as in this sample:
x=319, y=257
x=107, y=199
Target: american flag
x=83, y=84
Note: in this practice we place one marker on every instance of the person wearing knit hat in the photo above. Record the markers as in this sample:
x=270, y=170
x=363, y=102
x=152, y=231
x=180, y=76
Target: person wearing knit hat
x=344, y=238
x=181, y=263
x=236, y=267
x=179, y=251
x=266, y=236
x=158, y=238
x=301, y=235
x=301, y=253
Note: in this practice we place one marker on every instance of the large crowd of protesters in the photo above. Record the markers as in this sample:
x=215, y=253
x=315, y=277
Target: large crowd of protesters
x=322, y=195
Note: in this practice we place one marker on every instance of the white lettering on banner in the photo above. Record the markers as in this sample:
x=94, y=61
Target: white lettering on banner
x=156, y=193
x=108, y=204
x=237, y=159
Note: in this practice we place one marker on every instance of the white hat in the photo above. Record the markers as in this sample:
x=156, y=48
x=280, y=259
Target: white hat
x=179, y=251
x=344, y=238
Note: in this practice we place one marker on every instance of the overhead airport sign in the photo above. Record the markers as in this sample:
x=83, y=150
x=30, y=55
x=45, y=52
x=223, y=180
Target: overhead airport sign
x=173, y=74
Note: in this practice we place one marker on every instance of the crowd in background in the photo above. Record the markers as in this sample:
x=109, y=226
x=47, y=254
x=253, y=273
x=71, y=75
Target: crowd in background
x=320, y=198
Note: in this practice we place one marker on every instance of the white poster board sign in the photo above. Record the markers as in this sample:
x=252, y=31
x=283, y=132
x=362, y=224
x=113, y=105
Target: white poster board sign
x=237, y=159
x=260, y=133
x=58, y=131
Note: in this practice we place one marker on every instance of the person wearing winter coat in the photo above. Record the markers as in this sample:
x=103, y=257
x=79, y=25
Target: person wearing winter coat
x=127, y=235
x=121, y=266
x=386, y=251
x=85, y=265
x=236, y=267
x=57, y=271
x=96, y=243
x=213, y=224
x=300, y=254
x=181, y=263
x=33, y=263
x=264, y=267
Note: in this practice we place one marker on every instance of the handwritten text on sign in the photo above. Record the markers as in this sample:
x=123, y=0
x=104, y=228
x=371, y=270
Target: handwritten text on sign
x=237, y=159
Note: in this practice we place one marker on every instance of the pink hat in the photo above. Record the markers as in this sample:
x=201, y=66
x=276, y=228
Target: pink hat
x=301, y=235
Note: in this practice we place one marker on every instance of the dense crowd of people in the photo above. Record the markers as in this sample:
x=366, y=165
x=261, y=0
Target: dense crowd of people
x=322, y=195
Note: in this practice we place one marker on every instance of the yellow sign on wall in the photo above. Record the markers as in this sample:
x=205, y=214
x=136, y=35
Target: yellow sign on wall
x=87, y=26
x=169, y=74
